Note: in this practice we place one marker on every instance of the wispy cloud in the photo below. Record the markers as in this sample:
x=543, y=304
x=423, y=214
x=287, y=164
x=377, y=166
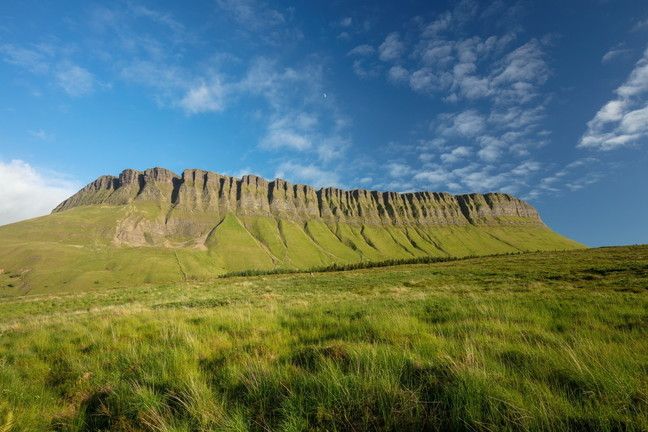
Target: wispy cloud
x=616, y=52
x=476, y=177
x=301, y=116
x=75, y=80
x=362, y=50
x=35, y=59
x=456, y=154
x=309, y=174
x=48, y=60
x=398, y=73
x=40, y=134
x=160, y=17
x=392, y=47
x=365, y=64
x=293, y=107
x=572, y=176
x=346, y=22
x=623, y=120
x=493, y=87
x=640, y=25
x=261, y=23
x=467, y=124
x=253, y=14
x=396, y=169
x=290, y=131
x=204, y=97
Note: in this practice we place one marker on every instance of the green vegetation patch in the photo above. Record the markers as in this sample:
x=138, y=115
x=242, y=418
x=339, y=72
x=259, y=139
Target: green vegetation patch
x=529, y=342
x=109, y=246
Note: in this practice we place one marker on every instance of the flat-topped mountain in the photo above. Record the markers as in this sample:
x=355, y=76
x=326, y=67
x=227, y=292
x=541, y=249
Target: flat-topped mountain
x=205, y=191
x=156, y=225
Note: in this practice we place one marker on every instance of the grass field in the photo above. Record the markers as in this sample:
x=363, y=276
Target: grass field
x=80, y=247
x=538, y=341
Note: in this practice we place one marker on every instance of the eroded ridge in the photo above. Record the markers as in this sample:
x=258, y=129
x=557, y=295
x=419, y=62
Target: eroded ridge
x=199, y=191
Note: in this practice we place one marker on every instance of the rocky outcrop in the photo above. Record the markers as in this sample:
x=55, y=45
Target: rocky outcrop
x=212, y=195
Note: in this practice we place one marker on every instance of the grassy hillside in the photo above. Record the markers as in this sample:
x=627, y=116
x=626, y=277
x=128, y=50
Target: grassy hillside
x=539, y=341
x=75, y=249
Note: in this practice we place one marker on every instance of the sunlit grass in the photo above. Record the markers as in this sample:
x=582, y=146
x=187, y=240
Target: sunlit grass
x=541, y=341
x=84, y=247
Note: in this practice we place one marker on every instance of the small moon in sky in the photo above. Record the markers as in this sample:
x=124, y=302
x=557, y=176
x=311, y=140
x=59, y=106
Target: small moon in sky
x=324, y=95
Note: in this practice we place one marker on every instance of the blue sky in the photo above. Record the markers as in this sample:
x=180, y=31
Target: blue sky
x=547, y=100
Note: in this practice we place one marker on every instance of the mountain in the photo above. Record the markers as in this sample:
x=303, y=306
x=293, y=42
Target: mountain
x=157, y=226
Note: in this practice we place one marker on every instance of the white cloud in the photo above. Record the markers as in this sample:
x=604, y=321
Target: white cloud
x=396, y=169
x=433, y=177
x=640, y=25
x=278, y=138
x=615, y=52
x=34, y=59
x=439, y=25
x=166, y=78
x=495, y=83
x=462, y=13
x=526, y=168
x=300, y=119
x=27, y=192
x=331, y=148
x=51, y=61
x=426, y=157
x=309, y=174
x=392, y=48
x=437, y=53
x=204, y=98
x=623, y=120
x=456, y=154
x=363, y=65
x=491, y=149
x=290, y=131
x=520, y=72
x=75, y=80
x=162, y=18
x=260, y=22
x=573, y=176
x=477, y=68
x=252, y=14
x=398, y=73
x=468, y=123
x=524, y=64
x=346, y=22
x=425, y=80
x=362, y=50
x=485, y=180
x=243, y=172
x=362, y=71
x=266, y=78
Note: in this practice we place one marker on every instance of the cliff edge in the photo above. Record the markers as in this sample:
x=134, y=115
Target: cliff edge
x=198, y=191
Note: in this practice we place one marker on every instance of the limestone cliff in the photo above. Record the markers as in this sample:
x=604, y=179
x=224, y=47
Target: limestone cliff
x=204, y=192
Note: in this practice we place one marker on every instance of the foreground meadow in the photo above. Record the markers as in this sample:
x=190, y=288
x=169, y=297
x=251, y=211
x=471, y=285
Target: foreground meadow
x=539, y=341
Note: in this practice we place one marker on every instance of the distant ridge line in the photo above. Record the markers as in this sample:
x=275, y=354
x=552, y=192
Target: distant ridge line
x=207, y=191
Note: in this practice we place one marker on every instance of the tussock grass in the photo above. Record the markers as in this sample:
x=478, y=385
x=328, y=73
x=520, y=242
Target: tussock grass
x=530, y=342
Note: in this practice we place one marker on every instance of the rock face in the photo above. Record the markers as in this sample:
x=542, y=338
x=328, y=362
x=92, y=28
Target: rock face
x=213, y=195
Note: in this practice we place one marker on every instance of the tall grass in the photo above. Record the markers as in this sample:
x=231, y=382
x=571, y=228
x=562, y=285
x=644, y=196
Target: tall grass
x=534, y=342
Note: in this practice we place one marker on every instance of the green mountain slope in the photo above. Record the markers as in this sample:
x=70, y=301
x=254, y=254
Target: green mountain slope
x=148, y=231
